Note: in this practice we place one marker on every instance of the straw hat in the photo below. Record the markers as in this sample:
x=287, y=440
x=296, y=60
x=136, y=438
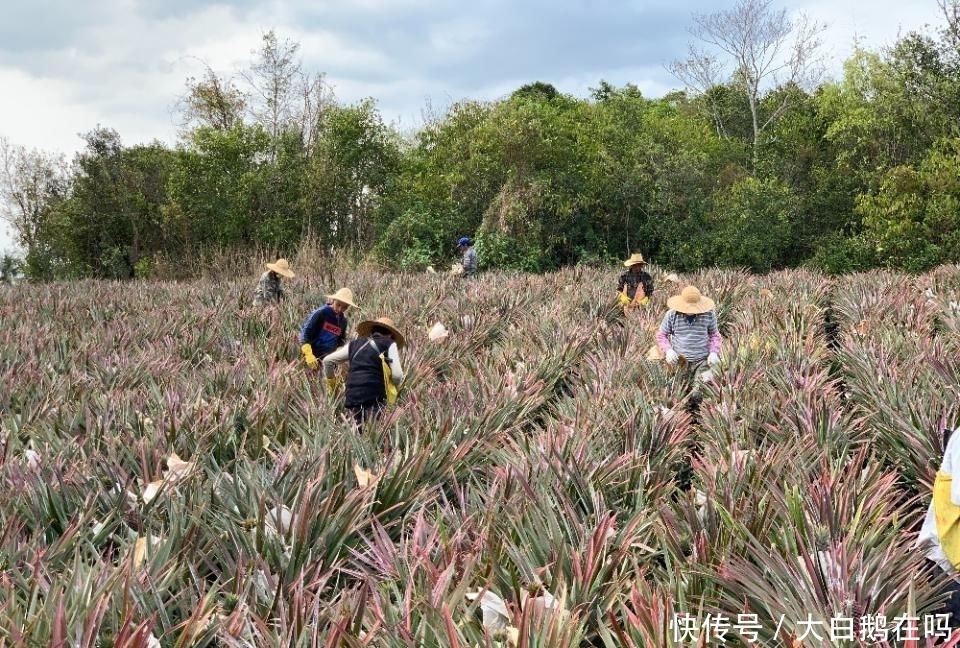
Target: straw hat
x=344, y=295
x=364, y=328
x=635, y=259
x=690, y=302
x=281, y=267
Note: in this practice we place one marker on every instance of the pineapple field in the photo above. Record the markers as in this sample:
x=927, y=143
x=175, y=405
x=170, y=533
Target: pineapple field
x=174, y=475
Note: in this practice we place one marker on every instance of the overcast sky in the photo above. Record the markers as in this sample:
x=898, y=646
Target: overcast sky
x=68, y=65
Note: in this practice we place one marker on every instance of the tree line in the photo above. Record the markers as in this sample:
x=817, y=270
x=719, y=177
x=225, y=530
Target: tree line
x=756, y=163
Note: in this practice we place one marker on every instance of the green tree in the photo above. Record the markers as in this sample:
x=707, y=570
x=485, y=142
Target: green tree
x=32, y=186
x=212, y=101
x=656, y=164
x=354, y=156
x=114, y=211
x=753, y=49
x=10, y=268
x=913, y=219
x=212, y=185
x=751, y=225
x=445, y=181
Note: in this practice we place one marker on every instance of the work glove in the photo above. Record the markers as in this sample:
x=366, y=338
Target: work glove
x=644, y=302
x=671, y=356
x=713, y=359
x=308, y=356
x=333, y=385
x=624, y=300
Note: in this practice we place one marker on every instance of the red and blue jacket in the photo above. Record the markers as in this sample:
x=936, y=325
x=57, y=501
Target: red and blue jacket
x=324, y=330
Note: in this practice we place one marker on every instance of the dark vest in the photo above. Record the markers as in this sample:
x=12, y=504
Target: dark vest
x=365, y=377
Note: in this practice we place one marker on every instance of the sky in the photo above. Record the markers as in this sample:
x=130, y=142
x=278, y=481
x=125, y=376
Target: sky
x=67, y=66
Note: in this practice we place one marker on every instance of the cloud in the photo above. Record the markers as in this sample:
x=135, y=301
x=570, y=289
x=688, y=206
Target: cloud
x=123, y=63
x=873, y=25
x=37, y=25
x=43, y=113
x=67, y=66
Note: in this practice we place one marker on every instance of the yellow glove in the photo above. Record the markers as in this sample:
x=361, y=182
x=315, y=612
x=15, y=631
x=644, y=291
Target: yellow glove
x=333, y=384
x=624, y=300
x=645, y=301
x=311, y=359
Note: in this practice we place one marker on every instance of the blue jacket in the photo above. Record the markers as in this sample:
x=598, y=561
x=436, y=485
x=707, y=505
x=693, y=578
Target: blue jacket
x=324, y=330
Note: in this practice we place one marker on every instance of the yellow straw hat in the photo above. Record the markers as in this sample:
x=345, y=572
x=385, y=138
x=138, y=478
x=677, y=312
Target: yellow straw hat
x=364, y=328
x=344, y=295
x=281, y=267
x=690, y=302
x=635, y=259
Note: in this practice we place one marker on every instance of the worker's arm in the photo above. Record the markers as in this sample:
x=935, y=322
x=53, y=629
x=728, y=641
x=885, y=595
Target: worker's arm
x=396, y=370
x=330, y=363
x=714, y=333
x=951, y=465
x=666, y=328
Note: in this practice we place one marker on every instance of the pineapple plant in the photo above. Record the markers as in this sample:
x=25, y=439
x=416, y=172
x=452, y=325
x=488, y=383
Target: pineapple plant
x=183, y=479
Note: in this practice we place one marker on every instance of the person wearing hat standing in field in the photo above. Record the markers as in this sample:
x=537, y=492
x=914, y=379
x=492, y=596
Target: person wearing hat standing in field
x=635, y=286
x=268, y=288
x=689, y=330
x=469, y=261
x=365, y=391
x=325, y=330
x=689, y=333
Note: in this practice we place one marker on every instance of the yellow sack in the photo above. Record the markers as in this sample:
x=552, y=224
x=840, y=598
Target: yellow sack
x=947, y=515
x=392, y=391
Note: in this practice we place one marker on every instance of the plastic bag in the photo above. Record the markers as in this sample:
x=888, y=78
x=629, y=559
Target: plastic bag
x=391, y=388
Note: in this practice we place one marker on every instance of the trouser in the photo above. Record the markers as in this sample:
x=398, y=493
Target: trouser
x=687, y=377
x=688, y=383
x=366, y=411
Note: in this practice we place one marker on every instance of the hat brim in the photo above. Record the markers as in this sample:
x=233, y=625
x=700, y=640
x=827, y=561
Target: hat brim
x=630, y=264
x=341, y=299
x=679, y=304
x=364, y=328
x=281, y=271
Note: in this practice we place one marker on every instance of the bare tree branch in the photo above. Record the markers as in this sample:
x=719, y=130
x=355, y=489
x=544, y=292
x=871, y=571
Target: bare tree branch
x=755, y=49
x=30, y=183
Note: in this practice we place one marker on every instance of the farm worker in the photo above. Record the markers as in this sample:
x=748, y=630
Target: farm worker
x=940, y=533
x=689, y=329
x=635, y=285
x=365, y=392
x=469, y=261
x=326, y=328
x=268, y=288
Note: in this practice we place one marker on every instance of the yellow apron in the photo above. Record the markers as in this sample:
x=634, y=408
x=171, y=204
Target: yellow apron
x=947, y=515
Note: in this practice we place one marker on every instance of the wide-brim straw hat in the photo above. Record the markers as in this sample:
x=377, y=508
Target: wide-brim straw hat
x=690, y=302
x=364, y=328
x=281, y=267
x=635, y=259
x=344, y=295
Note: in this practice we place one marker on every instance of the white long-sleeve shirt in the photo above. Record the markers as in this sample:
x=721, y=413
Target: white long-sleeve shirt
x=928, y=535
x=342, y=355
